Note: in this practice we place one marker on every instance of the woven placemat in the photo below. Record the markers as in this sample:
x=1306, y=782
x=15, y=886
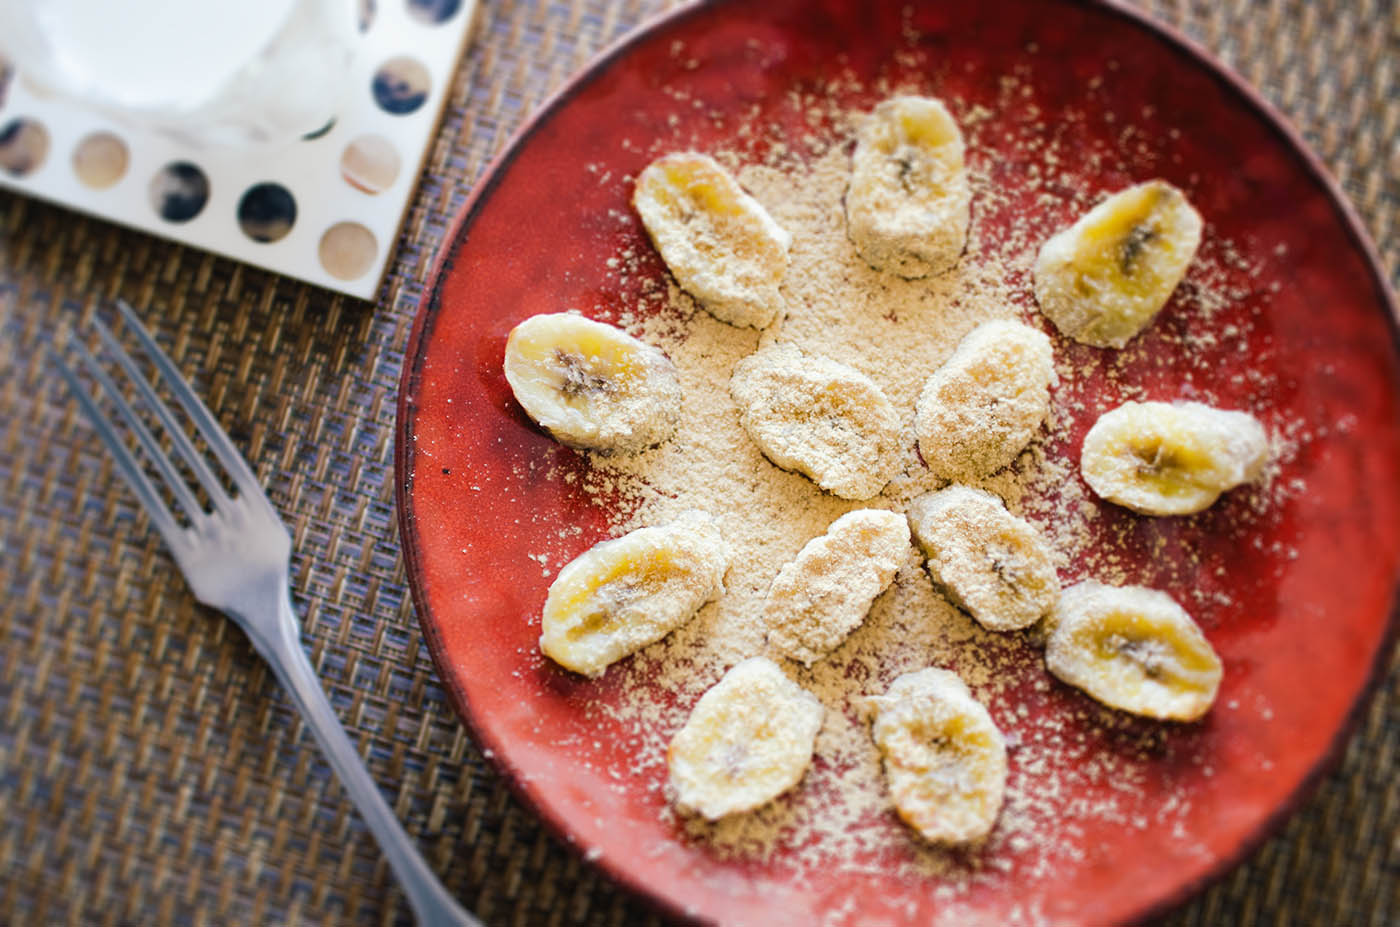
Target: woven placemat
x=150, y=769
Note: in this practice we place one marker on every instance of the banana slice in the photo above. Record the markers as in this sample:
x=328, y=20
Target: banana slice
x=1171, y=458
x=823, y=595
x=719, y=243
x=986, y=402
x=591, y=385
x=1134, y=649
x=909, y=201
x=621, y=595
x=748, y=740
x=1103, y=279
x=818, y=417
x=990, y=563
x=945, y=759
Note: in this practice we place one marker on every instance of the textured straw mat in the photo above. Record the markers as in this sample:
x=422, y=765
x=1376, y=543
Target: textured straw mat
x=150, y=769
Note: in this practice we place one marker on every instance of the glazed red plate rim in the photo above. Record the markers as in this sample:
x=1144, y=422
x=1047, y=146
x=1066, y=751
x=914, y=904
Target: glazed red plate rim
x=422, y=329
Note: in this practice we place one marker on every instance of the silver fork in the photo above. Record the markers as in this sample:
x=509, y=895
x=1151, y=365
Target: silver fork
x=236, y=559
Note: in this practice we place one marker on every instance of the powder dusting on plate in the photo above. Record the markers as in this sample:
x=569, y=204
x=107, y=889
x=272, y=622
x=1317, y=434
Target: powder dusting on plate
x=897, y=332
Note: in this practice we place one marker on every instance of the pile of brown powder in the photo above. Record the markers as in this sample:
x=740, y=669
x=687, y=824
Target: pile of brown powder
x=897, y=332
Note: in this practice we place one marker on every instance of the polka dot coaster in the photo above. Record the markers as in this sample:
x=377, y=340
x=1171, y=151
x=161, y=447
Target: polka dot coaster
x=326, y=209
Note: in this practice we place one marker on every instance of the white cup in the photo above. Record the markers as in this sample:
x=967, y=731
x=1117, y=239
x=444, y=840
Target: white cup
x=212, y=73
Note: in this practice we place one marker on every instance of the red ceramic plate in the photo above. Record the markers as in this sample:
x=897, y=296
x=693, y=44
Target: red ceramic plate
x=1307, y=339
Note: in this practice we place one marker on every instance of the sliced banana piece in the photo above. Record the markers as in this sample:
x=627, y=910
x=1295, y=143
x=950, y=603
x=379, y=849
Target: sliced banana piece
x=720, y=244
x=983, y=406
x=945, y=759
x=591, y=385
x=1134, y=649
x=1103, y=279
x=1171, y=458
x=748, y=740
x=909, y=200
x=818, y=417
x=621, y=595
x=990, y=563
x=823, y=594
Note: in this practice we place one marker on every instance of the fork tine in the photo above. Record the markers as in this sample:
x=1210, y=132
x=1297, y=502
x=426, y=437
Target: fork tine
x=193, y=459
x=198, y=412
x=174, y=482
x=135, y=478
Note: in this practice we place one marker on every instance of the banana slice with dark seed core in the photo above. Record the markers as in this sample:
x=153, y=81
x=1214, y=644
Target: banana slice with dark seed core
x=1171, y=458
x=945, y=759
x=990, y=563
x=748, y=740
x=819, y=417
x=719, y=242
x=623, y=594
x=591, y=385
x=909, y=200
x=983, y=406
x=1104, y=279
x=1134, y=649
x=824, y=594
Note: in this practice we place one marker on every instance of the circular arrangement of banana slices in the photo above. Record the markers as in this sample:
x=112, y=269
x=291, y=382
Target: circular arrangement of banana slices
x=945, y=759
x=983, y=406
x=719, y=243
x=1134, y=649
x=1171, y=458
x=621, y=595
x=988, y=562
x=823, y=595
x=909, y=200
x=591, y=385
x=1101, y=281
x=1104, y=279
x=748, y=740
x=821, y=418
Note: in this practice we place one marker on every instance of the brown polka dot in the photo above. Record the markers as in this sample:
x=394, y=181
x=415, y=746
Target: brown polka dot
x=347, y=250
x=100, y=160
x=24, y=143
x=400, y=86
x=370, y=163
x=433, y=12
x=179, y=191
x=267, y=212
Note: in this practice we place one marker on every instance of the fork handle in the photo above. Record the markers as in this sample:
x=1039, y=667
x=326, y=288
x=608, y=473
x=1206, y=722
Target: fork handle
x=431, y=903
